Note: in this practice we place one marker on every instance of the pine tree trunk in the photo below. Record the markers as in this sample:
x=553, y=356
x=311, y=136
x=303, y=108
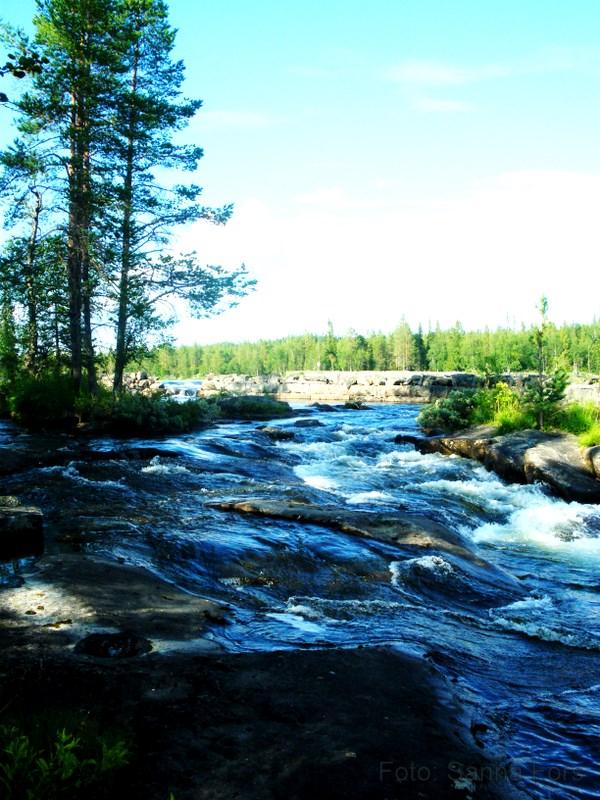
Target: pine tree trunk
x=73, y=245
x=123, y=313
x=32, y=349
x=86, y=281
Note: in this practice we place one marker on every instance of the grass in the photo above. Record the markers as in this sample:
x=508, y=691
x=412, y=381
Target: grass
x=248, y=407
x=591, y=437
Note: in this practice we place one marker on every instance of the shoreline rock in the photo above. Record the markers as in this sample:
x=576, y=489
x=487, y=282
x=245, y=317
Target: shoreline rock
x=367, y=723
x=554, y=459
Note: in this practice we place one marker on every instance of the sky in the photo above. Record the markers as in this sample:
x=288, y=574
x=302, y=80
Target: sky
x=421, y=159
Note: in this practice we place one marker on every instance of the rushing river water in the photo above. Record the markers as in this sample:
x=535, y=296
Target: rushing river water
x=520, y=640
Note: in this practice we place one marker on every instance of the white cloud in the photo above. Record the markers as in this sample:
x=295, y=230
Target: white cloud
x=550, y=60
x=331, y=198
x=479, y=257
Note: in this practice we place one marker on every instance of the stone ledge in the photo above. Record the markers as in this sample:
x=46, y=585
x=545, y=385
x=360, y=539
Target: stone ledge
x=555, y=459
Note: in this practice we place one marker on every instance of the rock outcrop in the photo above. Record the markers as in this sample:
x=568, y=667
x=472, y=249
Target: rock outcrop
x=554, y=459
x=360, y=386
x=349, y=387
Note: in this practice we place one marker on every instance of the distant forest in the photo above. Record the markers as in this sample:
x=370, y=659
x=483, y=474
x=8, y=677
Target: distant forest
x=575, y=348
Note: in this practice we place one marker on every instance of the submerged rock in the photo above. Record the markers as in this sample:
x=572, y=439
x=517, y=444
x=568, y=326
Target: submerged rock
x=277, y=434
x=412, y=533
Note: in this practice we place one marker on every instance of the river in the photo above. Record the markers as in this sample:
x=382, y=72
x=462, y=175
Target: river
x=516, y=628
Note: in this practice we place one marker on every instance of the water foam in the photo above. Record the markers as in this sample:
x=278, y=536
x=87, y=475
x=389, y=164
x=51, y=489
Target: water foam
x=368, y=497
x=342, y=610
x=549, y=524
x=70, y=471
x=157, y=468
x=541, y=618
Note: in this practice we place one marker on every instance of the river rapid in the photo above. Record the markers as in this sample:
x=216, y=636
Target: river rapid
x=520, y=639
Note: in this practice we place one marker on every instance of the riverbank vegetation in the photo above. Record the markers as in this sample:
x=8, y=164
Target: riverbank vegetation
x=575, y=348
x=508, y=410
x=50, y=402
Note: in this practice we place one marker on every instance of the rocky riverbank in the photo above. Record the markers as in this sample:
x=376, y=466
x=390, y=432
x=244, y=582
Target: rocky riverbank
x=554, y=459
x=301, y=609
x=365, y=386
x=87, y=639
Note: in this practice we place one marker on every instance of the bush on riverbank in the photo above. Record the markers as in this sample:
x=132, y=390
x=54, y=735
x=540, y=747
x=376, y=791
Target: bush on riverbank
x=136, y=414
x=506, y=410
x=449, y=413
x=49, y=402
x=44, y=402
x=251, y=407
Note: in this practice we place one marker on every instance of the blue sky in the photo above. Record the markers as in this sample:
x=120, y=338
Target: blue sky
x=433, y=160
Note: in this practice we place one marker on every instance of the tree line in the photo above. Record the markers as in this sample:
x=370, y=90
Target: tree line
x=91, y=192
x=574, y=348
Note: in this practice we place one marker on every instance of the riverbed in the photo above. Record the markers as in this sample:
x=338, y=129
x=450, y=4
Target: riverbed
x=511, y=617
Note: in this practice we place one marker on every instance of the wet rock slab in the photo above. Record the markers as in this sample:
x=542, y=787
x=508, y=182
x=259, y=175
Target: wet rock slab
x=413, y=534
x=366, y=724
x=70, y=596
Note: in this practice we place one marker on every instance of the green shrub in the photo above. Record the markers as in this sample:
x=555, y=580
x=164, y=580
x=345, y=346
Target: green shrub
x=500, y=407
x=49, y=401
x=449, y=413
x=44, y=402
x=248, y=407
x=136, y=414
x=51, y=762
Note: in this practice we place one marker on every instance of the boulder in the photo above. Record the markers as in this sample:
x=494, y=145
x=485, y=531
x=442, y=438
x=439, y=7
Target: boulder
x=472, y=443
x=560, y=465
x=592, y=459
x=277, y=434
x=530, y=456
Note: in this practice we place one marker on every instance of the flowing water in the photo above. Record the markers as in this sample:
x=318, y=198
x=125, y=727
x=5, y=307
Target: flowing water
x=519, y=639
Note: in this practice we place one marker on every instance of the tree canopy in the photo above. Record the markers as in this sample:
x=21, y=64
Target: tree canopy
x=575, y=348
x=91, y=195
